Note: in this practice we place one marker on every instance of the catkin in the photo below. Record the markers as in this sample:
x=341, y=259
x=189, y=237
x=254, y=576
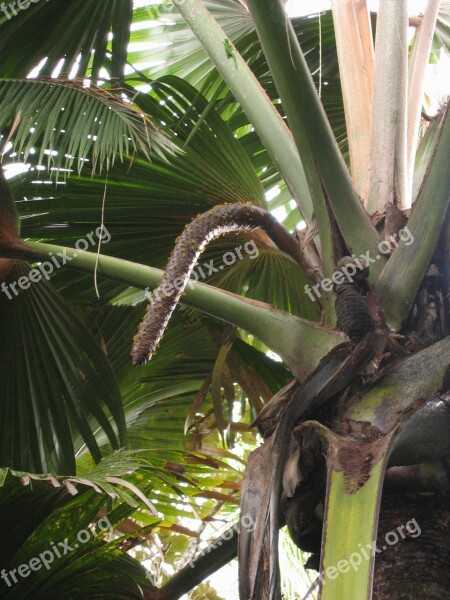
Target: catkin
x=220, y=220
x=352, y=311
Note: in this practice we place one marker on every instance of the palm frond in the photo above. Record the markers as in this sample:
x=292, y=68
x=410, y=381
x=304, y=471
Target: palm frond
x=70, y=523
x=70, y=122
x=157, y=397
x=54, y=379
x=33, y=37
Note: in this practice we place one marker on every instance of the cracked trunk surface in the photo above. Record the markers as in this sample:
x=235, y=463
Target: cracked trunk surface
x=414, y=567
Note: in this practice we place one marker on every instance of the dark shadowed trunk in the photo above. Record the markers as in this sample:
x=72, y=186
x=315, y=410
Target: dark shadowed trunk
x=418, y=565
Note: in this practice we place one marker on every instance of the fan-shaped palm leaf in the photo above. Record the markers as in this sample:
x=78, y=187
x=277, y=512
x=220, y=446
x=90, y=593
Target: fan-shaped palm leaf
x=72, y=121
x=33, y=36
x=54, y=378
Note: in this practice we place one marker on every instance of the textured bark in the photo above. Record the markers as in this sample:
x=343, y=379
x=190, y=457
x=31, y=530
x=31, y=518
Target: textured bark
x=414, y=567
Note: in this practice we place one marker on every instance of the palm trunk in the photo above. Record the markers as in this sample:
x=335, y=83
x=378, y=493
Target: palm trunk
x=414, y=544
